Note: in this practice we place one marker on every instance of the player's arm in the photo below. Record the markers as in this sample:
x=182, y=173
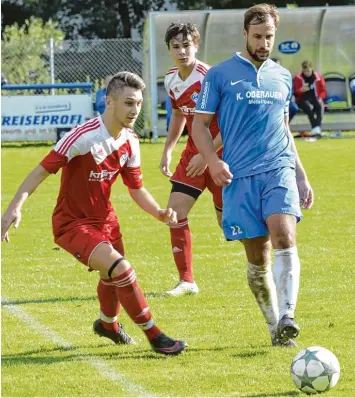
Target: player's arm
x=147, y=203
x=197, y=164
x=13, y=213
x=176, y=127
x=304, y=187
x=207, y=148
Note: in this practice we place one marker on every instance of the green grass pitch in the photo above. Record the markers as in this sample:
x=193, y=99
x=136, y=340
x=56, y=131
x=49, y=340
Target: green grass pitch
x=49, y=299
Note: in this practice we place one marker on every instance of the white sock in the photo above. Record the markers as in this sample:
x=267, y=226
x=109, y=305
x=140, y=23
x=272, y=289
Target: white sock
x=262, y=285
x=287, y=279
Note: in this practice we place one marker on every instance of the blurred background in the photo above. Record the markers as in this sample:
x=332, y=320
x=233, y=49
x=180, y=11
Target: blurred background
x=56, y=41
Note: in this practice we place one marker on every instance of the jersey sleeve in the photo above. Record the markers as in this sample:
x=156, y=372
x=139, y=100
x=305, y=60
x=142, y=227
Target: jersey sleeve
x=53, y=162
x=131, y=173
x=210, y=95
x=170, y=94
x=62, y=153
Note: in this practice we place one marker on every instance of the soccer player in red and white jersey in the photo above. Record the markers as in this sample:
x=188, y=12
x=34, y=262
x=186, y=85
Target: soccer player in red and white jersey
x=191, y=177
x=92, y=155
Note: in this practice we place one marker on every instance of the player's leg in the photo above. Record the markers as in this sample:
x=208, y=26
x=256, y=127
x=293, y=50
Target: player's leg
x=184, y=193
x=180, y=238
x=281, y=210
x=261, y=282
x=116, y=271
x=107, y=325
x=242, y=220
x=282, y=229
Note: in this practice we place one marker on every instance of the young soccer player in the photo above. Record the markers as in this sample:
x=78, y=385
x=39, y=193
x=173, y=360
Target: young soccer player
x=92, y=155
x=191, y=177
x=263, y=177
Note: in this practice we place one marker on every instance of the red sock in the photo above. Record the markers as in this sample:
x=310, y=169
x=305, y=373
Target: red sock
x=182, y=249
x=133, y=301
x=109, y=305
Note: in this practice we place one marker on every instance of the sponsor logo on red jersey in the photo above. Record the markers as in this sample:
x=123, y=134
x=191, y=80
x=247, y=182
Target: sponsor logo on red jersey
x=103, y=175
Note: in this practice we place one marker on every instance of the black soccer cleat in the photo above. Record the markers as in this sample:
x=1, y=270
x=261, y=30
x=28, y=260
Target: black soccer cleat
x=287, y=328
x=120, y=337
x=167, y=346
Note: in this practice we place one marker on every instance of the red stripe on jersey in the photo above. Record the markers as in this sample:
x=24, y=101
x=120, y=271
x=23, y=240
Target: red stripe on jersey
x=93, y=125
x=201, y=70
x=203, y=67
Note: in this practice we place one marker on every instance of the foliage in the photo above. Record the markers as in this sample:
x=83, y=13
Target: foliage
x=25, y=50
x=227, y=4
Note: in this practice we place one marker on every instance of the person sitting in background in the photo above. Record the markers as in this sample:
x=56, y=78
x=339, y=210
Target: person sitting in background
x=310, y=93
x=100, y=98
x=293, y=107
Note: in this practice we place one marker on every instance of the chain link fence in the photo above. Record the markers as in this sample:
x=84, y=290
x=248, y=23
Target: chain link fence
x=71, y=61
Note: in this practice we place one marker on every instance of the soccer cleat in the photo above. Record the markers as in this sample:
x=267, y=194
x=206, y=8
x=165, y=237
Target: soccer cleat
x=167, y=346
x=283, y=343
x=120, y=337
x=183, y=288
x=287, y=328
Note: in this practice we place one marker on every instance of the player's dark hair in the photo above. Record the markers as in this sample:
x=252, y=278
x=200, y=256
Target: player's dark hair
x=259, y=14
x=186, y=28
x=124, y=79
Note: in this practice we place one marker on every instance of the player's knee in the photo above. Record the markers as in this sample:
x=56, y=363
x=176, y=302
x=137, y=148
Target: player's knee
x=118, y=267
x=283, y=240
x=258, y=251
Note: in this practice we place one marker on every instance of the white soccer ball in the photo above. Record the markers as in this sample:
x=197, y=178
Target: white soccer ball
x=315, y=370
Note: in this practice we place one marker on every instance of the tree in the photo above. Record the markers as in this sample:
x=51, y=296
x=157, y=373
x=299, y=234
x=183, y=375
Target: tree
x=227, y=4
x=25, y=50
x=104, y=19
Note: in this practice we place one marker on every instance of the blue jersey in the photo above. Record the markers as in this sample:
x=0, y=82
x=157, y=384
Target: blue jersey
x=251, y=105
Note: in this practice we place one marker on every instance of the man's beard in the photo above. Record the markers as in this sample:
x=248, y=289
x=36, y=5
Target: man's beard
x=254, y=56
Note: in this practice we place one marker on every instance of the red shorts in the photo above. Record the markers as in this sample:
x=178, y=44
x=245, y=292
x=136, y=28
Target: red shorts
x=199, y=183
x=83, y=239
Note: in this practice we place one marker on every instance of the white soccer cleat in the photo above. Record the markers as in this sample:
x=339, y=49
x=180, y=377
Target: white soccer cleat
x=183, y=288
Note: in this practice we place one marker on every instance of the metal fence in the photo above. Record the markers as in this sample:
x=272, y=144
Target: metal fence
x=71, y=61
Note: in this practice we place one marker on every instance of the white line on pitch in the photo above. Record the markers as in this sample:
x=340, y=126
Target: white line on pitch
x=97, y=363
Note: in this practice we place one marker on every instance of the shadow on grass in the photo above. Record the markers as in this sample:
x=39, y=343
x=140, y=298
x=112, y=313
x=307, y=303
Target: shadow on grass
x=281, y=394
x=74, y=353
x=70, y=355
x=47, y=300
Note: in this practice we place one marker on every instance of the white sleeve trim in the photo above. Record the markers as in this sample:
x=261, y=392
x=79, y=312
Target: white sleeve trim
x=210, y=113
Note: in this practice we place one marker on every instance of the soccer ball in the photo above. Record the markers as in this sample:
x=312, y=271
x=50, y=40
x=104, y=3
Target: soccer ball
x=315, y=370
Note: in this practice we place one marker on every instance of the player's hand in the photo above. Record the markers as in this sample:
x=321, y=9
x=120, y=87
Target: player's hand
x=306, y=193
x=165, y=164
x=220, y=173
x=196, y=166
x=167, y=216
x=10, y=217
x=305, y=88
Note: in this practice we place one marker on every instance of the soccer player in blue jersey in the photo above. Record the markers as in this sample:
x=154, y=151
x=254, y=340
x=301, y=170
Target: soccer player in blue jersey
x=265, y=184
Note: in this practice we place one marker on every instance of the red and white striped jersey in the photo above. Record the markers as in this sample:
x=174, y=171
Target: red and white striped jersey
x=91, y=160
x=184, y=95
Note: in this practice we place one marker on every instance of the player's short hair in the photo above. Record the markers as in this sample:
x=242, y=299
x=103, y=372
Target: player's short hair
x=186, y=28
x=306, y=64
x=124, y=79
x=259, y=14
